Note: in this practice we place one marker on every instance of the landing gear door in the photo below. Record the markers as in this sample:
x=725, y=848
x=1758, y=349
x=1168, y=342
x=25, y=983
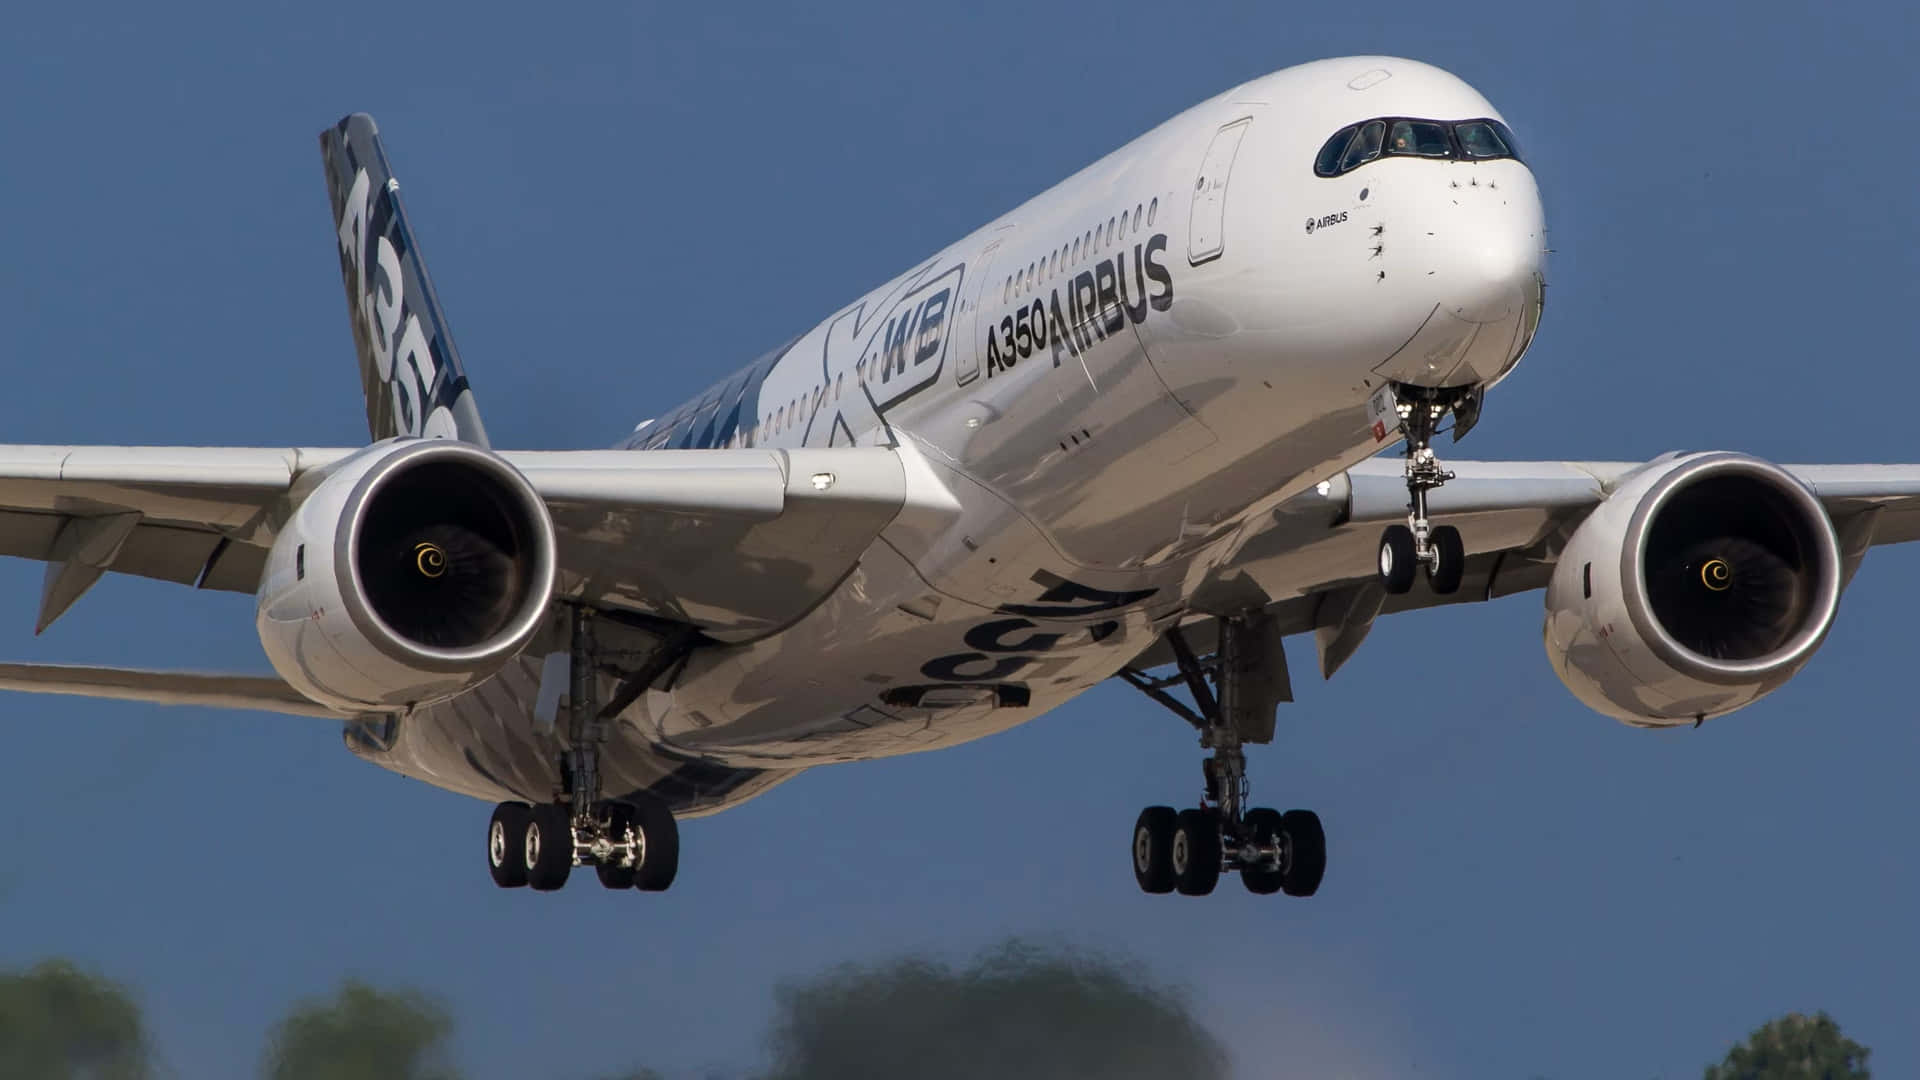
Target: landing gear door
x=1206, y=232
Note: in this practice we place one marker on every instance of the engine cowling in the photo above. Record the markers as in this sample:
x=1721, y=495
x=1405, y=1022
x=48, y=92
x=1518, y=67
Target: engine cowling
x=1703, y=583
x=414, y=570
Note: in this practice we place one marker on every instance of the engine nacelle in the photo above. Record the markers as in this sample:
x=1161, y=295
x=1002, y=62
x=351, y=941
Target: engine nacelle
x=1704, y=582
x=414, y=570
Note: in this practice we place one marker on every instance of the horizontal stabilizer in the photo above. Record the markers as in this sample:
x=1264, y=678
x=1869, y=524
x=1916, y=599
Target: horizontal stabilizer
x=212, y=691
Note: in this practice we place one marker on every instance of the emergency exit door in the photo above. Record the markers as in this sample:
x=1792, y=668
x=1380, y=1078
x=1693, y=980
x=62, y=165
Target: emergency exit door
x=1206, y=232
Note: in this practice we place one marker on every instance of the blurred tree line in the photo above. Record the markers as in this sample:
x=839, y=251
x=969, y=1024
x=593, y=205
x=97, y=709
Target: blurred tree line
x=1018, y=1012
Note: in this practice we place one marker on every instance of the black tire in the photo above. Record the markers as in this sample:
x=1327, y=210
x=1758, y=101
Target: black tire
x=620, y=819
x=660, y=847
x=1450, y=560
x=1307, y=852
x=1263, y=827
x=549, y=847
x=1153, y=849
x=507, y=844
x=1196, y=852
x=1397, y=561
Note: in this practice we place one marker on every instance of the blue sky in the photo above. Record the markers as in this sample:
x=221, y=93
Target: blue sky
x=620, y=202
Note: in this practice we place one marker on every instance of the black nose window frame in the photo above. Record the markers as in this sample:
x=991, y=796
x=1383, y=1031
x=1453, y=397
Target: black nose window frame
x=1479, y=139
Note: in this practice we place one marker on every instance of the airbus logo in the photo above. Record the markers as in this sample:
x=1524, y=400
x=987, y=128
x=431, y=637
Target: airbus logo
x=1323, y=222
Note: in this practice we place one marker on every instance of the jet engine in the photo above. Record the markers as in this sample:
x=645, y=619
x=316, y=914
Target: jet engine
x=412, y=571
x=1704, y=582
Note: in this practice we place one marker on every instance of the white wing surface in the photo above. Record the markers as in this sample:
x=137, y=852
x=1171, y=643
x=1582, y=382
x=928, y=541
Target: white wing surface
x=1313, y=568
x=735, y=542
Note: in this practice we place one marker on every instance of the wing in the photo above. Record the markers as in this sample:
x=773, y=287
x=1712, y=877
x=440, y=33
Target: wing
x=1312, y=569
x=735, y=542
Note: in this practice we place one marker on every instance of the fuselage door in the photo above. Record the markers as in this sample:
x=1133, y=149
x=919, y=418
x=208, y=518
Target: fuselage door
x=1206, y=232
x=978, y=293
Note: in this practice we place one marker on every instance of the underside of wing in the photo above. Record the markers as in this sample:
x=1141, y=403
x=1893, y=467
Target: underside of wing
x=200, y=516
x=734, y=542
x=1313, y=569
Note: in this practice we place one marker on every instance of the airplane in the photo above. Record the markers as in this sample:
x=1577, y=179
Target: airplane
x=1138, y=427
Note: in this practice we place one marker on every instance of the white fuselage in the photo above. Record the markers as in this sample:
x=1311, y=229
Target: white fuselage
x=1118, y=380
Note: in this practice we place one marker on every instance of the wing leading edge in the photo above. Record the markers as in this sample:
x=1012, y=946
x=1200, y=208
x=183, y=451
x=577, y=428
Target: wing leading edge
x=736, y=542
x=1313, y=569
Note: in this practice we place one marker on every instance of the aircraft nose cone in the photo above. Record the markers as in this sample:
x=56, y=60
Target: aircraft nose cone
x=1494, y=272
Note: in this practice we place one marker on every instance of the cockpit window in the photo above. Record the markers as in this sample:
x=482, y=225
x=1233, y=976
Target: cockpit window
x=1479, y=139
x=1365, y=145
x=1419, y=138
x=1328, y=163
x=1465, y=140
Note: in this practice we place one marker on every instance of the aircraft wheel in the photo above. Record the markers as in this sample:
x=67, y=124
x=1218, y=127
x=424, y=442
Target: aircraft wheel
x=1397, y=560
x=507, y=844
x=1450, y=560
x=1196, y=852
x=659, y=847
x=1263, y=827
x=1153, y=849
x=549, y=847
x=1307, y=852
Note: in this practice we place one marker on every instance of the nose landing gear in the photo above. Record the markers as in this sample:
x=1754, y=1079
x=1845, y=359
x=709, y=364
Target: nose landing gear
x=1188, y=850
x=1404, y=549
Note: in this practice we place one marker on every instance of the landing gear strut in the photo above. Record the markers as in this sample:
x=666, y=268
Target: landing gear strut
x=1406, y=548
x=1234, y=694
x=632, y=843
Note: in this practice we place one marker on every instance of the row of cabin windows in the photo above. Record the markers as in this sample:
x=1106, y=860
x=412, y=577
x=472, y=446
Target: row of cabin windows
x=1094, y=239
x=796, y=411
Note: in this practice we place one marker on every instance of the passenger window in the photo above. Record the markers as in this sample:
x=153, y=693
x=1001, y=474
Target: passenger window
x=1138, y=211
x=1365, y=145
x=1076, y=250
x=1328, y=162
x=1153, y=210
x=1479, y=140
x=1419, y=138
x=1123, y=223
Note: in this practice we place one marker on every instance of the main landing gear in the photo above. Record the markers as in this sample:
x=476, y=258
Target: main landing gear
x=1187, y=850
x=1404, y=549
x=631, y=843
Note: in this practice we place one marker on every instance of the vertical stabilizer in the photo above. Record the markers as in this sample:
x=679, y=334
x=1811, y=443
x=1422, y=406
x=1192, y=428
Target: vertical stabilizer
x=409, y=369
